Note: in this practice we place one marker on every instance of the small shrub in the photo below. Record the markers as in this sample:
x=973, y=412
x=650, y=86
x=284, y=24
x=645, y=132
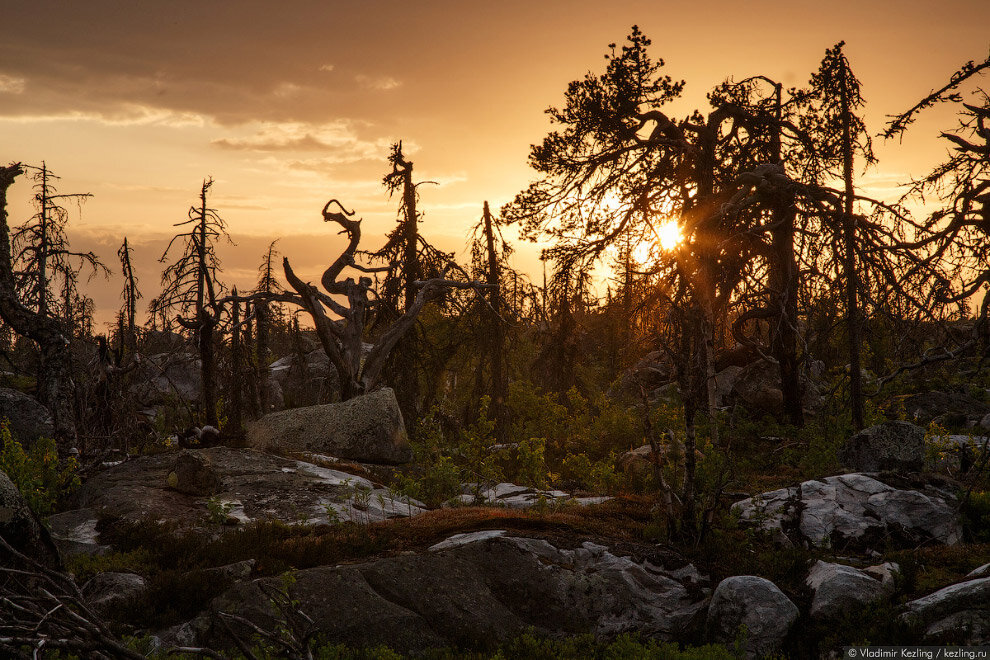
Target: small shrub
x=532, y=463
x=37, y=472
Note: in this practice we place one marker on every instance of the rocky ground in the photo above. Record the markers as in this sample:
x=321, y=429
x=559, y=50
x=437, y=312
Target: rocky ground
x=374, y=567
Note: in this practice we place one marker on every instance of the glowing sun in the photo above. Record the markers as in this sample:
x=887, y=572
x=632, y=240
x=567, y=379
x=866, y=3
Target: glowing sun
x=669, y=235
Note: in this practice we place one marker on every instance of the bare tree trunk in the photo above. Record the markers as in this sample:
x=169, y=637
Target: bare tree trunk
x=207, y=356
x=55, y=387
x=784, y=338
x=261, y=323
x=849, y=264
x=688, y=382
x=783, y=287
x=235, y=422
x=497, y=330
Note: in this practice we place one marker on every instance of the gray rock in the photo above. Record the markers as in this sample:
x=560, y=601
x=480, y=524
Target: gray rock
x=74, y=532
x=367, y=428
x=515, y=496
x=226, y=575
x=985, y=422
x=886, y=572
x=28, y=419
x=754, y=602
x=104, y=591
x=466, y=538
x=853, y=510
x=193, y=474
x=896, y=446
x=758, y=387
x=957, y=613
x=725, y=382
x=252, y=486
x=20, y=528
x=980, y=572
x=475, y=591
x=837, y=587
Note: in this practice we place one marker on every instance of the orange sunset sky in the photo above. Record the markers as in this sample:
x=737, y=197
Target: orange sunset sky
x=289, y=104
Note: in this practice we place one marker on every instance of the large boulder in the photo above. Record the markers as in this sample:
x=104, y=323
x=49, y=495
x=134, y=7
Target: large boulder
x=757, y=604
x=838, y=587
x=957, y=614
x=367, y=428
x=474, y=590
x=895, y=446
x=855, y=511
x=758, y=387
x=193, y=474
x=20, y=528
x=28, y=420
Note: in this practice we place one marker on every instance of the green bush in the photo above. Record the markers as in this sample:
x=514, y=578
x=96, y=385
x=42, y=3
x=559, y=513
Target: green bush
x=37, y=472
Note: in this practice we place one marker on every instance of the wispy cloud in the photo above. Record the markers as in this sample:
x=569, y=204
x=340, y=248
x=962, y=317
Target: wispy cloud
x=127, y=114
x=379, y=83
x=11, y=84
x=338, y=138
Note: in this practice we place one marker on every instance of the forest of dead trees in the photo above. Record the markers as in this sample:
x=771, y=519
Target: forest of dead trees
x=781, y=257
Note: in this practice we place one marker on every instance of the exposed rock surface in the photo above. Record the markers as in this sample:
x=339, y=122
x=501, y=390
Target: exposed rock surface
x=837, y=587
x=515, y=496
x=959, y=611
x=754, y=602
x=20, y=529
x=74, y=532
x=367, y=428
x=476, y=590
x=107, y=590
x=28, y=419
x=251, y=485
x=855, y=510
x=896, y=446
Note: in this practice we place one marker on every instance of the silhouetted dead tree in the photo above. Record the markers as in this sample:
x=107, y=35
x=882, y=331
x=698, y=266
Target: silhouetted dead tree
x=410, y=258
x=191, y=288
x=957, y=233
x=128, y=314
x=55, y=386
x=341, y=338
x=47, y=270
x=268, y=285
